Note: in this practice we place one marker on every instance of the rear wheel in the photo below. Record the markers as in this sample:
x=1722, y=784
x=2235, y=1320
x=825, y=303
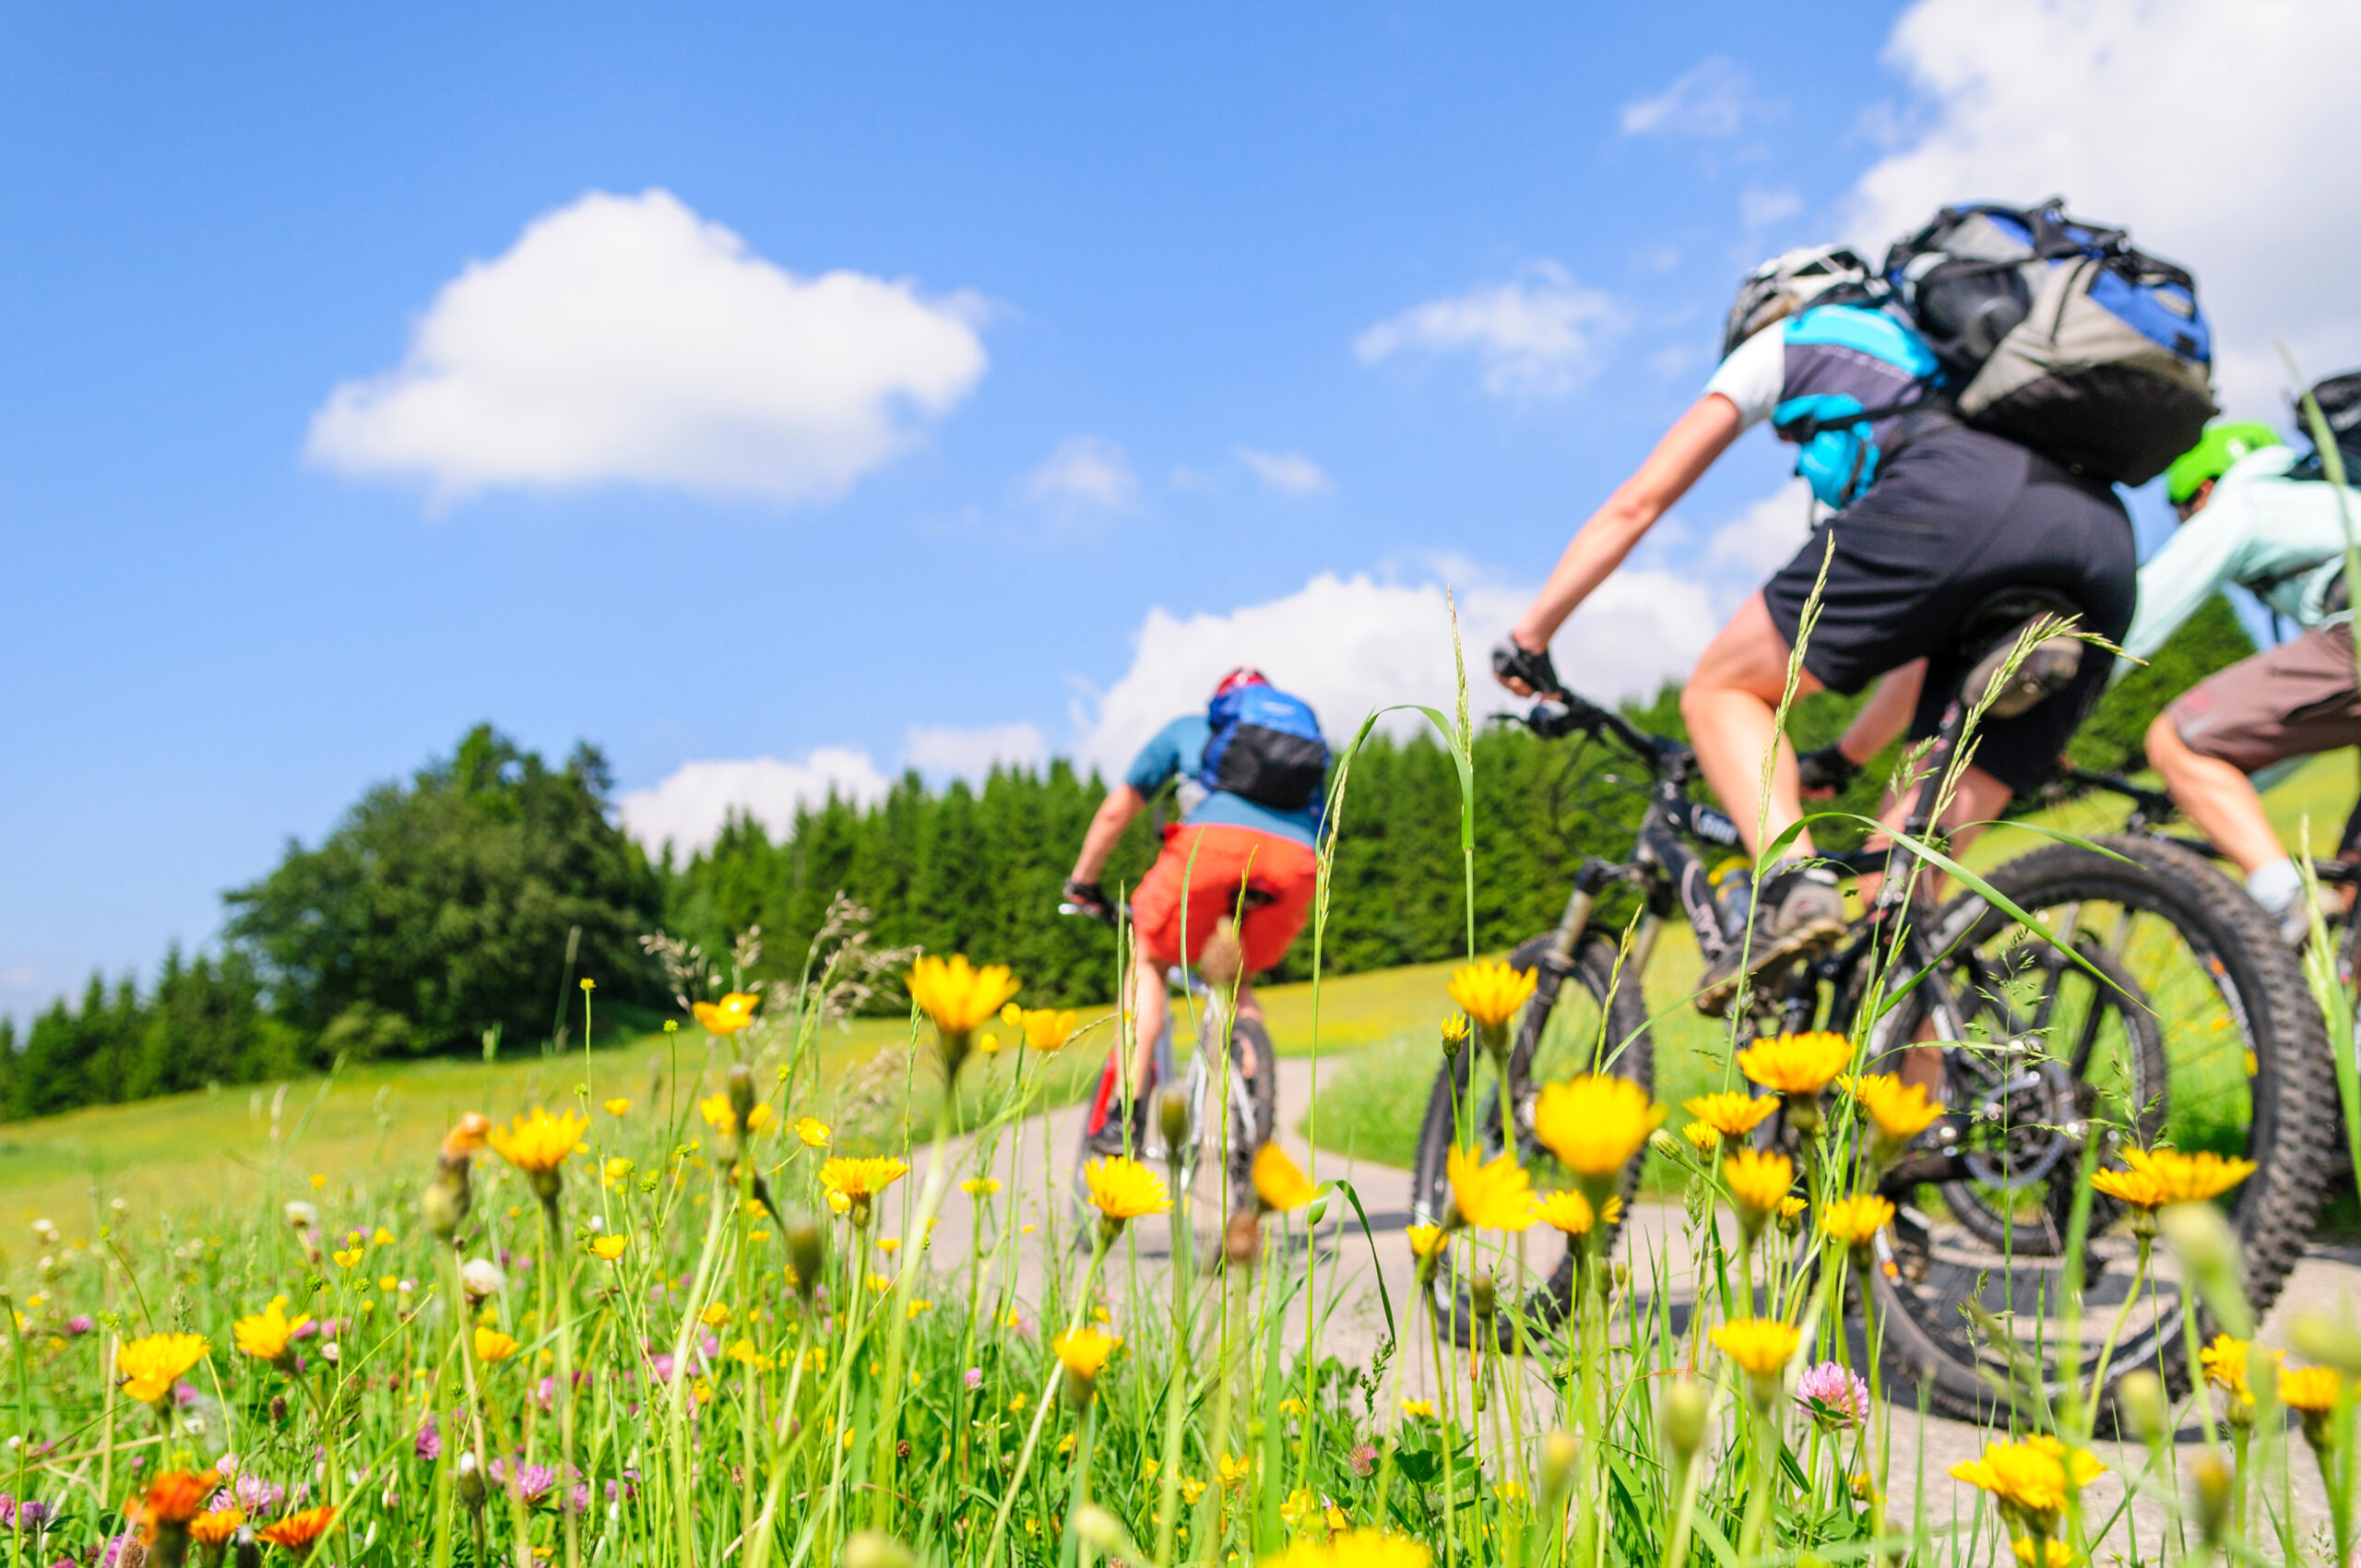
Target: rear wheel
x=1569, y=1027
x=2185, y=1022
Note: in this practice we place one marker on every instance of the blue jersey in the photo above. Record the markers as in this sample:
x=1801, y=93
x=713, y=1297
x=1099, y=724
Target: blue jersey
x=1180, y=748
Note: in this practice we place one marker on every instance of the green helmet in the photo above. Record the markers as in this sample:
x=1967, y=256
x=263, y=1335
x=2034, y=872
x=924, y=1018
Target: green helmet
x=2221, y=446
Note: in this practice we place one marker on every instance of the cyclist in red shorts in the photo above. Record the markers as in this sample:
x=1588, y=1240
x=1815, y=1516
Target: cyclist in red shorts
x=1253, y=771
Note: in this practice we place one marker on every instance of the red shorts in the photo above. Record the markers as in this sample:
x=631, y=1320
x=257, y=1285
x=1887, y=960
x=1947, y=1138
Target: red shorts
x=1213, y=861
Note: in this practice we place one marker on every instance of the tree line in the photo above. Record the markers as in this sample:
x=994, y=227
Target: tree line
x=468, y=899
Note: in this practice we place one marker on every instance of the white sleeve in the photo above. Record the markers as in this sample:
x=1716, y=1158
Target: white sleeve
x=1755, y=374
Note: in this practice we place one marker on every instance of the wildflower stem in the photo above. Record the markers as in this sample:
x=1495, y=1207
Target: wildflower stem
x=1041, y=1408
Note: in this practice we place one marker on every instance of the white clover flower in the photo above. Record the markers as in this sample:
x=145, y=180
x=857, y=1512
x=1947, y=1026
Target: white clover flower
x=483, y=1278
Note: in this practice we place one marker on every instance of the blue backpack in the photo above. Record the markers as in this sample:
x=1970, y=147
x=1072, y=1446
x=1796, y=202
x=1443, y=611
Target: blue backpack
x=1265, y=747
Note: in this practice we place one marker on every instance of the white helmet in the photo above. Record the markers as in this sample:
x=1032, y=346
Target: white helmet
x=1786, y=285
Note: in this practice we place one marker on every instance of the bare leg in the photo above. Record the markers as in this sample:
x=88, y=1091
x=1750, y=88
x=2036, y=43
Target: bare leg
x=1730, y=703
x=2216, y=797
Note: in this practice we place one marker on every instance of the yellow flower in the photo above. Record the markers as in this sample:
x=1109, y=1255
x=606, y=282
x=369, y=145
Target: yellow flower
x=721, y=1119
x=861, y=1179
x=1236, y=1468
x=1419, y=1410
x=1191, y=1489
x=384, y=1238
x=1595, y=1124
x=2225, y=1362
x=2135, y=1187
x=1570, y=1212
x=1495, y=1196
x=987, y=1043
x=492, y=1346
x=1760, y=1345
x=732, y=1012
x=889, y=1245
x=956, y=995
x=747, y=1353
x=1363, y=1548
x=1084, y=1350
x=2033, y=1476
x=1425, y=1239
x=1454, y=1032
x=1278, y=1182
x=1702, y=1137
x=2054, y=1553
x=1124, y=1189
x=980, y=1186
x=2189, y=1178
x=150, y=1367
x=1731, y=1115
x=606, y=1249
x=917, y=1306
x=617, y=1107
x=388, y=1282
x=1854, y=1220
x=347, y=1257
x=538, y=1142
x=814, y=1132
x=1489, y=991
x=318, y=1181
x=267, y=1335
x=2310, y=1391
x=1797, y=1064
x=715, y=1315
x=1046, y=1030
x=1901, y=1111
x=1758, y=1181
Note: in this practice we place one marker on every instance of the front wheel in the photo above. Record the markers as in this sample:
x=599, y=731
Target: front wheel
x=1582, y=1018
x=2158, y=1005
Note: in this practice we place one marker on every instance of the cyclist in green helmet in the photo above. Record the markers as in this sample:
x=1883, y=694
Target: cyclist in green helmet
x=2252, y=513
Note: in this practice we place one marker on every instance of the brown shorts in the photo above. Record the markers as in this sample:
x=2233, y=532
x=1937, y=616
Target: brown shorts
x=2291, y=700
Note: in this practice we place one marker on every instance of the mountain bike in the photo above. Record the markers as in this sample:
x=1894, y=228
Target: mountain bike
x=1232, y=1064
x=2153, y=1002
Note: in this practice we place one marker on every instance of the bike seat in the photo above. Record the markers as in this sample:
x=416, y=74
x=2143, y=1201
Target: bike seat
x=1989, y=634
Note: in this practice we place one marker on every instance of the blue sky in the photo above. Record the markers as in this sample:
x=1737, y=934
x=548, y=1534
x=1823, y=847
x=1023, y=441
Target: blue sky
x=1169, y=250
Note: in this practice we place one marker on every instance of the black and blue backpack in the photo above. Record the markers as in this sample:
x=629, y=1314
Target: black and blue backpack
x=2061, y=335
x=1265, y=747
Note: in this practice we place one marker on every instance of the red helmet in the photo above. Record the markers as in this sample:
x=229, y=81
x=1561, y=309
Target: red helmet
x=1244, y=675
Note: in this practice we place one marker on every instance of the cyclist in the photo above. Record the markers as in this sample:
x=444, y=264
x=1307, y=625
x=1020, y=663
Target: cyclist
x=1933, y=518
x=2252, y=514
x=1250, y=769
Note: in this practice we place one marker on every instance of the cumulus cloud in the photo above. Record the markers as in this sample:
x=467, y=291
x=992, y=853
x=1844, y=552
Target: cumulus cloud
x=1540, y=334
x=687, y=809
x=1084, y=472
x=1290, y=473
x=1351, y=644
x=1764, y=537
x=2218, y=133
x=626, y=340
x=1712, y=100
x=949, y=751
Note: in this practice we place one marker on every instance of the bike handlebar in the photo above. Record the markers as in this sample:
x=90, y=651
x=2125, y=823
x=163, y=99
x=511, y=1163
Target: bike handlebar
x=1565, y=714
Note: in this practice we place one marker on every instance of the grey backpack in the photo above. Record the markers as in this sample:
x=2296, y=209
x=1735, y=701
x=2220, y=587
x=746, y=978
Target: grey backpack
x=2059, y=334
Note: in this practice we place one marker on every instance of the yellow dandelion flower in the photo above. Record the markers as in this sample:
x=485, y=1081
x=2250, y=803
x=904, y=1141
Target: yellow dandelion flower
x=1570, y=1212
x=383, y=1238
x=1419, y=1410
x=861, y=1179
x=2224, y=1362
x=2134, y=1187
x=1278, y=1183
x=2310, y=1391
x=1595, y=1124
x=2189, y=1178
x=1047, y=1029
x=721, y=1119
x=730, y=1014
x=956, y=995
x=150, y=1367
x=1798, y=1065
x=493, y=1346
x=1084, y=1351
x=2054, y=1553
x=1702, y=1137
x=1758, y=1182
x=1732, y=1115
x=1855, y=1220
x=1901, y=1111
x=267, y=1335
x=1124, y=1189
x=606, y=1249
x=1760, y=1345
x=1425, y=1239
x=1490, y=993
x=1494, y=1195
x=715, y=1315
x=538, y=1142
x=814, y=1132
x=617, y=1106
x=889, y=1245
x=2033, y=1476
x=980, y=1186
x=1792, y=1208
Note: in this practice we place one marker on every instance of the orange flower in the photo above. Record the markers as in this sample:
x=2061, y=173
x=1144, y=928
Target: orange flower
x=299, y=1533
x=217, y=1527
x=173, y=1499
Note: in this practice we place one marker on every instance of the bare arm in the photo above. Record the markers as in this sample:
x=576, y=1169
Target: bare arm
x=1115, y=814
x=1686, y=450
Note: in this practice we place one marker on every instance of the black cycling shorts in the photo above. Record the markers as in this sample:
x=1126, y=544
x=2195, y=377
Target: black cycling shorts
x=1956, y=516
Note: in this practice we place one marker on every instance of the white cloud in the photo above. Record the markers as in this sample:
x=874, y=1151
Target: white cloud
x=970, y=753
x=626, y=340
x=1351, y=645
x=2219, y=133
x=1765, y=536
x=1759, y=208
x=1290, y=473
x=1539, y=334
x=1712, y=100
x=1084, y=472
x=688, y=807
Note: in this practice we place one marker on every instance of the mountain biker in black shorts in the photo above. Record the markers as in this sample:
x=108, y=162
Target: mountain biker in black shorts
x=1933, y=516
